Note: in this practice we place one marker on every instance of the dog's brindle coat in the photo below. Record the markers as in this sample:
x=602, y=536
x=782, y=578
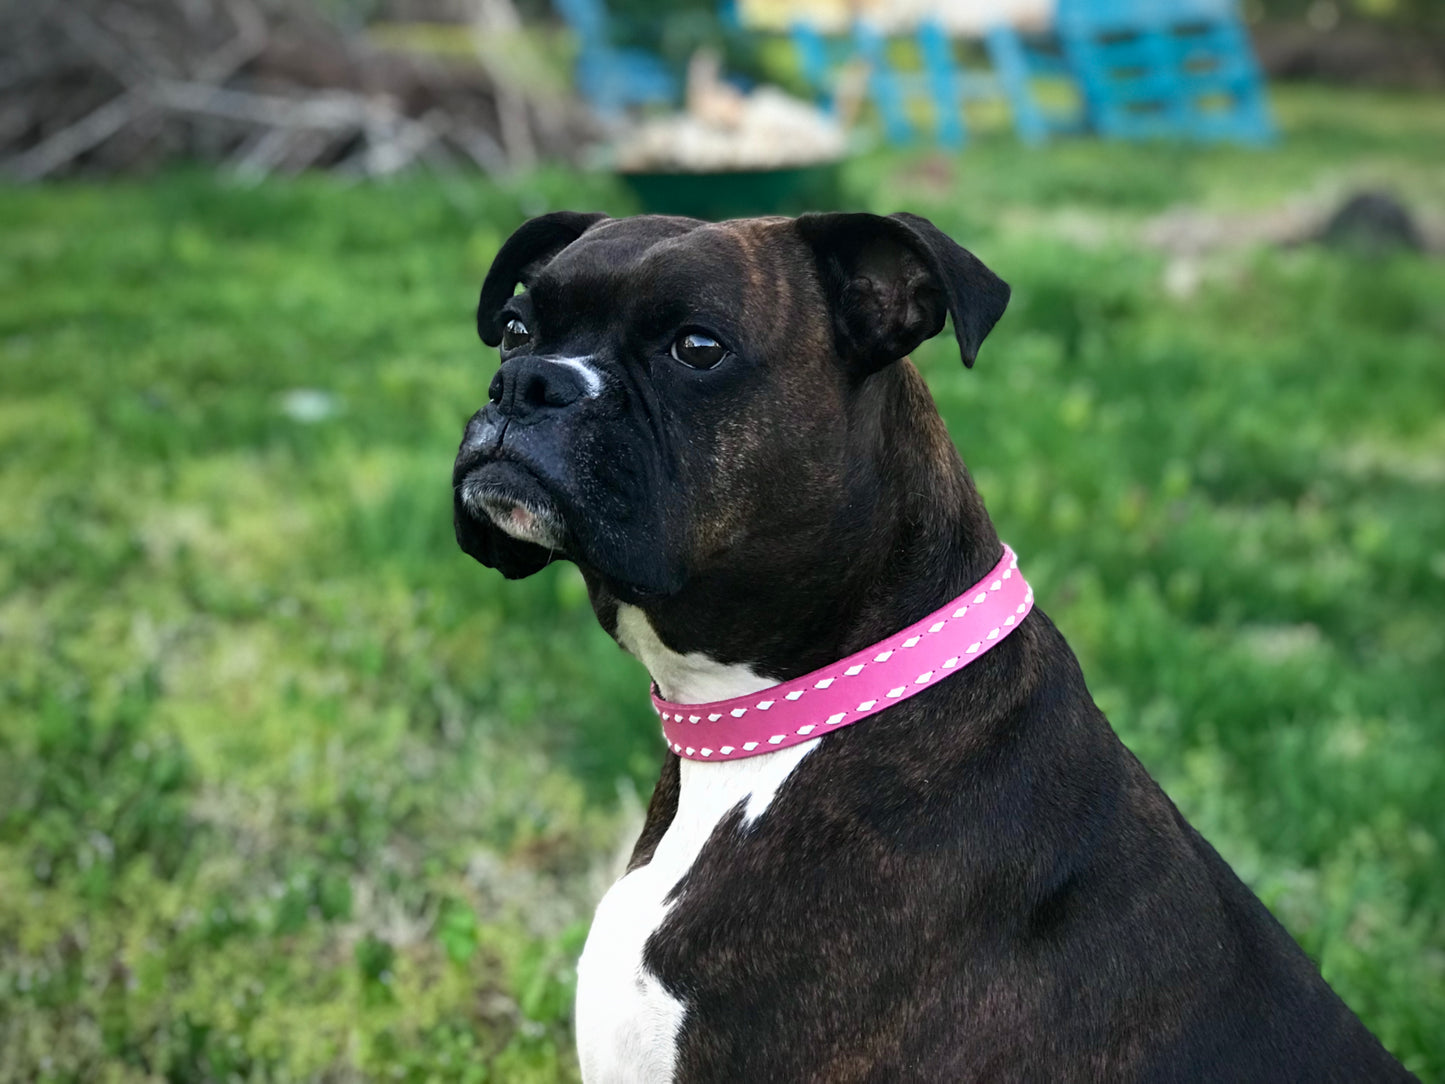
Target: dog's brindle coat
x=980, y=883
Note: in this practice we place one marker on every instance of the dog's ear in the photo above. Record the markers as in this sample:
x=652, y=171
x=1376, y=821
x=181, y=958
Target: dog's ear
x=536, y=241
x=891, y=281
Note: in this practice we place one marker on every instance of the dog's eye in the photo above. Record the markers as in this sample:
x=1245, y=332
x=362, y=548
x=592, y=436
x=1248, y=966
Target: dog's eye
x=515, y=333
x=698, y=351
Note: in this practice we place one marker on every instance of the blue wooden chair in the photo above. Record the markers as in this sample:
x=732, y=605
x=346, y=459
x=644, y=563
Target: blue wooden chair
x=1220, y=80
x=820, y=58
x=817, y=61
x=1180, y=69
x=1043, y=95
x=941, y=81
x=886, y=88
x=608, y=78
x=952, y=86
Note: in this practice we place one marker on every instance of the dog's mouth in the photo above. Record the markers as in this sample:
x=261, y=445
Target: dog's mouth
x=513, y=500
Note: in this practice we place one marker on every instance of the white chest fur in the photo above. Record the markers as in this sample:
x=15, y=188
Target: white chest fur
x=628, y=1025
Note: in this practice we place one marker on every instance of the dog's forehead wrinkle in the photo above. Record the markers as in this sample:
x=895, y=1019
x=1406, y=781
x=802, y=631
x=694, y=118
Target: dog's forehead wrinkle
x=637, y=231
x=774, y=263
x=700, y=266
x=608, y=256
x=625, y=242
x=658, y=293
x=747, y=243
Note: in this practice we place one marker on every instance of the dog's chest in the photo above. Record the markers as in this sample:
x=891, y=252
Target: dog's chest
x=628, y=1023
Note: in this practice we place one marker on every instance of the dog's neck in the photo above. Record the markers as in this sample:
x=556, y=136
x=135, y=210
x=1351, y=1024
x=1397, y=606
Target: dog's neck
x=917, y=535
x=693, y=678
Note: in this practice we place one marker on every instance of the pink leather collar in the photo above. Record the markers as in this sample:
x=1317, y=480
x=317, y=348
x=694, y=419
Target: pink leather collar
x=865, y=682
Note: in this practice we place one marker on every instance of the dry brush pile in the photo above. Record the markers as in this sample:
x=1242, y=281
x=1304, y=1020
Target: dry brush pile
x=262, y=86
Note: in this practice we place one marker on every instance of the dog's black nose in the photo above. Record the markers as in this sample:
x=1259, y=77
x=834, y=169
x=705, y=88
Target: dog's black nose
x=529, y=387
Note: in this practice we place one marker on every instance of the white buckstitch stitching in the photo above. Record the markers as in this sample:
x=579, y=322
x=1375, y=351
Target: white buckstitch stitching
x=852, y=672
x=857, y=668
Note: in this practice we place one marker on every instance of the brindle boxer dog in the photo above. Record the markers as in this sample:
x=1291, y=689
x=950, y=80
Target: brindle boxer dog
x=718, y=424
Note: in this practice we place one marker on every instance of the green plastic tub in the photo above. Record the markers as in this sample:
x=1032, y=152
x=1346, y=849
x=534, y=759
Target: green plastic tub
x=737, y=193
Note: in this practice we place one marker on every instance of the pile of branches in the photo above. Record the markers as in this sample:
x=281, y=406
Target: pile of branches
x=264, y=86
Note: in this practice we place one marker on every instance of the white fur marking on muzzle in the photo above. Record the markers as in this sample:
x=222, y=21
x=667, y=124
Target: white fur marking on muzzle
x=585, y=368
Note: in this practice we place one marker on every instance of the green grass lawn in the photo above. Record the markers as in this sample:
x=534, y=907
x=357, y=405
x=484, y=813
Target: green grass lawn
x=291, y=789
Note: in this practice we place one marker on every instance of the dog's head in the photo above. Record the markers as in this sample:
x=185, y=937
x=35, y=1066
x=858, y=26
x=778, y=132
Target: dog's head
x=675, y=396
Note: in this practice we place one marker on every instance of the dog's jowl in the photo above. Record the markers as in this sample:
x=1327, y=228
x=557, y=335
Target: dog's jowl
x=893, y=838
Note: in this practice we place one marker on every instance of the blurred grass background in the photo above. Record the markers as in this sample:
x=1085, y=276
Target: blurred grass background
x=291, y=789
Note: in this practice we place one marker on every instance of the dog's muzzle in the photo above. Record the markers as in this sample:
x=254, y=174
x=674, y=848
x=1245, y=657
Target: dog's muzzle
x=530, y=389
